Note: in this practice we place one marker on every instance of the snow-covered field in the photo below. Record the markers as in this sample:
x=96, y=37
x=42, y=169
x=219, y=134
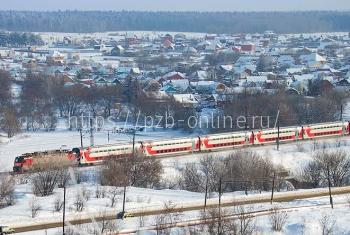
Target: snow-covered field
x=304, y=220
x=28, y=142
x=291, y=156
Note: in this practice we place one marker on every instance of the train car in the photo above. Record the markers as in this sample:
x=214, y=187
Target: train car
x=325, y=130
x=96, y=155
x=22, y=163
x=271, y=135
x=226, y=141
x=171, y=147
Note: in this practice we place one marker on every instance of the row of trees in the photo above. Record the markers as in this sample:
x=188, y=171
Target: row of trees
x=9, y=122
x=289, y=109
x=16, y=39
x=207, y=22
x=43, y=99
x=241, y=171
x=327, y=167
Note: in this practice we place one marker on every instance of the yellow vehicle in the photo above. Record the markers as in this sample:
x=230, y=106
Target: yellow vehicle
x=6, y=230
x=124, y=215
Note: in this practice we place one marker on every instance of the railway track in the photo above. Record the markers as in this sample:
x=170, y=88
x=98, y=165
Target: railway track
x=183, y=207
x=264, y=146
x=235, y=216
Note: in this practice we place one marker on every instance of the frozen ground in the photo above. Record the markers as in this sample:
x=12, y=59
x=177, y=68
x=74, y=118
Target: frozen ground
x=304, y=220
x=28, y=142
x=292, y=156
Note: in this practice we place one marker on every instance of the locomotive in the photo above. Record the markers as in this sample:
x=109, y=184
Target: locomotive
x=207, y=143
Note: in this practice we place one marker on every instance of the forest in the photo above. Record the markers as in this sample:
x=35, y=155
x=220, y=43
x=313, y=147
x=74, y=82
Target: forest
x=206, y=22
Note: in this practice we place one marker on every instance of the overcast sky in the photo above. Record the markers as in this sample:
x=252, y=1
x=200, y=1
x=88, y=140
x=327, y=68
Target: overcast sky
x=179, y=5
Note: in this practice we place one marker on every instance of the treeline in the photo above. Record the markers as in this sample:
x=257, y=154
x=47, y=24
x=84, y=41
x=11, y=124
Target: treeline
x=207, y=22
x=289, y=109
x=43, y=99
x=17, y=39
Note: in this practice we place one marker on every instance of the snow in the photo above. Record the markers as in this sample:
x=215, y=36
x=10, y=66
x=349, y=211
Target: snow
x=28, y=142
x=302, y=220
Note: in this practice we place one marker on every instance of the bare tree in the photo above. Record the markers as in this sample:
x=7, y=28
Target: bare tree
x=113, y=195
x=165, y=220
x=246, y=224
x=85, y=193
x=47, y=174
x=100, y=191
x=63, y=178
x=332, y=164
x=34, y=206
x=79, y=202
x=7, y=188
x=142, y=219
x=104, y=225
x=312, y=174
x=136, y=171
x=327, y=224
x=58, y=203
x=278, y=219
x=216, y=222
x=10, y=122
x=241, y=170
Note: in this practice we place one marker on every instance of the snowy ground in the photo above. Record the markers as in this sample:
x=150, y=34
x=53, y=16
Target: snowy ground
x=292, y=156
x=28, y=142
x=304, y=220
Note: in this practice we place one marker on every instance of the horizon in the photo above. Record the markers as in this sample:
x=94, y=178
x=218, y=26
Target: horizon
x=175, y=11
x=181, y=5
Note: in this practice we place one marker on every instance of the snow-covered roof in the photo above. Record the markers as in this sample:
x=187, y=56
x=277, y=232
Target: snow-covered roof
x=256, y=79
x=186, y=98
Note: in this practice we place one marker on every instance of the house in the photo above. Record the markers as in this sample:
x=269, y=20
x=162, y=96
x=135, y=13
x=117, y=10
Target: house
x=169, y=89
x=168, y=38
x=254, y=81
x=209, y=101
x=295, y=70
x=117, y=51
x=248, y=47
x=199, y=75
x=55, y=58
x=313, y=60
x=205, y=87
x=187, y=100
x=180, y=85
x=286, y=60
x=168, y=45
x=301, y=83
x=174, y=76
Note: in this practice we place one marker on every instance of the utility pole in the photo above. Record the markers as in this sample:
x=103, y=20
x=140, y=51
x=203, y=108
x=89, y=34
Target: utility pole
x=246, y=117
x=341, y=112
x=206, y=192
x=124, y=196
x=133, y=143
x=278, y=135
x=329, y=187
x=64, y=209
x=273, y=186
x=91, y=133
x=108, y=136
x=126, y=179
x=81, y=137
x=219, y=218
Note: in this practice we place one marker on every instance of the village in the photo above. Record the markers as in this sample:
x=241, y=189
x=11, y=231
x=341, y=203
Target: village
x=224, y=121
x=198, y=70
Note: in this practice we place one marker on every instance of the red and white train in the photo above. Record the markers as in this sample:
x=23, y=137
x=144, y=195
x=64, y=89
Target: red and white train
x=216, y=142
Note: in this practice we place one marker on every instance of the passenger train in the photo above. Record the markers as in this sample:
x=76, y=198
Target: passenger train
x=207, y=143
